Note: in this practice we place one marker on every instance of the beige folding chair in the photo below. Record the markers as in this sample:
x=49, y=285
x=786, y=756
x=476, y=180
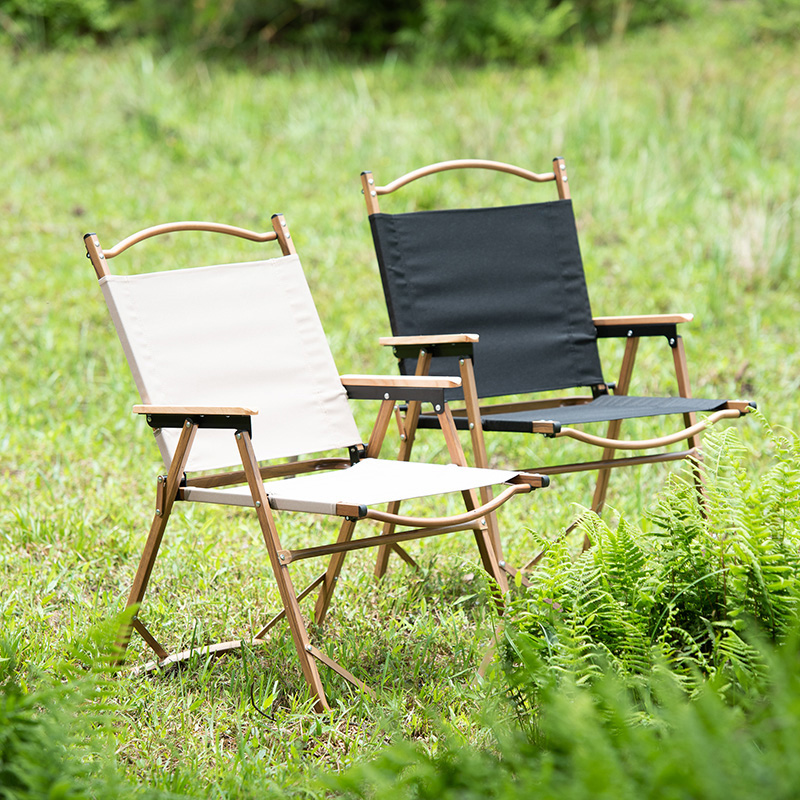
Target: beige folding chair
x=233, y=367
x=498, y=294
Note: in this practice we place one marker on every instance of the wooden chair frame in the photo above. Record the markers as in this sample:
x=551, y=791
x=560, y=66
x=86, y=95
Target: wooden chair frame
x=632, y=328
x=175, y=484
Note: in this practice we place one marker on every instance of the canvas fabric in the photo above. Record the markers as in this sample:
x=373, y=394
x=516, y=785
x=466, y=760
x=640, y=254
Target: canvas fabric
x=513, y=275
x=244, y=334
x=369, y=482
x=602, y=409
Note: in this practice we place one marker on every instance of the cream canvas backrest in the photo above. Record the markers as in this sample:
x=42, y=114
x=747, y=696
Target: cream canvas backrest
x=245, y=334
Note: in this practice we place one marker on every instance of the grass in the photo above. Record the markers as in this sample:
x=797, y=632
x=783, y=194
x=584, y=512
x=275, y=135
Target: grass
x=683, y=151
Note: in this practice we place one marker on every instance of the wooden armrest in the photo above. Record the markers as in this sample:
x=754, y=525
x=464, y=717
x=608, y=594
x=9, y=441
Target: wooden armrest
x=425, y=388
x=226, y=411
x=402, y=381
x=424, y=341
x=645, y=319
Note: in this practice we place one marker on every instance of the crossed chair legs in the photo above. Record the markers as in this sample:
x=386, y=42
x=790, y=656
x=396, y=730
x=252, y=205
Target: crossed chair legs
x=610, y=444
x=168, y=491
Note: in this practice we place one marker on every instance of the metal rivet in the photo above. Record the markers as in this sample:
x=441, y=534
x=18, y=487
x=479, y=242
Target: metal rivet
x=501, y=563
x=161, y=479
x=461, y=361
x=386, y=395
x=565, y=179
x=282, y=557
x=402, y=437
x=158, y=512
x=630, y=333
x=672, y=342
x=563, y=165
x=238, y=435
x=258, y=504
x=283, y=223
x=472, y=426
x=308, y=648
x=187, y=424
x=102, y=256
x=438, y=407
x=371, y=181
x=374, y=193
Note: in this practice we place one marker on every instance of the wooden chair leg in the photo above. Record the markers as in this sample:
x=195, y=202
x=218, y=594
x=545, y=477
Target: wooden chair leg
x=483, y=537
x=479, y=446
x=166, y=493
x=332, y=575
x=485, y=544
x=289, y=600
x=614, y=427
x=685, y=390
x=409, y=432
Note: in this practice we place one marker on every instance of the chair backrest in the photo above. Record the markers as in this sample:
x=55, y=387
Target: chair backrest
x=512, y=274
x=243, y=334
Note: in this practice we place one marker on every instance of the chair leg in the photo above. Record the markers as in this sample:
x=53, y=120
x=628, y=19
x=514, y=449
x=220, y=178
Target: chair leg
x=483, y=537
x=684, y=390
x=289, y=600
x=166, y=493
x=409, y=432
x=479, y=446
x=384, y=551
x=623, y=385
x=139, y=587
x=332, y=575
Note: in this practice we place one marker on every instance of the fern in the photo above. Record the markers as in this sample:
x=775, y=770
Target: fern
x=685, y=597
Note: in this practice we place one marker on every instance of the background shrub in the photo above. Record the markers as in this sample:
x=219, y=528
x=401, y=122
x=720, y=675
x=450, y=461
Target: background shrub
x=52, y=23
x=518, y=31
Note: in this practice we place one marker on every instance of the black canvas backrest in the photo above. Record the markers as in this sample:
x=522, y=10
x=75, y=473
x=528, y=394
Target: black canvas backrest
x=511, y=274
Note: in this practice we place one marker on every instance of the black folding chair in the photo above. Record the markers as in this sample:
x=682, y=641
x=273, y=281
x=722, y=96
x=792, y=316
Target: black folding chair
x=500, y=295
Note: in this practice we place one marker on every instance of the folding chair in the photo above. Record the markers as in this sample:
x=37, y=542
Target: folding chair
x=499, y=294
x=233, y=367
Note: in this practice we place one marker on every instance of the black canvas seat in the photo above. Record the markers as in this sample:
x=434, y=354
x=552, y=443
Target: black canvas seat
x=499, y=294
x=605, y=408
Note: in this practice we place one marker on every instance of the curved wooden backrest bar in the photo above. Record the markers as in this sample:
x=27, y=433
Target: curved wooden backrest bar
x=172, y=227
x=99, y=256
x=465, y=163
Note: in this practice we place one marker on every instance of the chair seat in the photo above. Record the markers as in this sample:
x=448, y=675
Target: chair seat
x=368, y=483
x=602, y=409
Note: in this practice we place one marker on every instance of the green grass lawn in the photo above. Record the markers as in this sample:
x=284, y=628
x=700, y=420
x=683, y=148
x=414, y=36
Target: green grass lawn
x=683, y=149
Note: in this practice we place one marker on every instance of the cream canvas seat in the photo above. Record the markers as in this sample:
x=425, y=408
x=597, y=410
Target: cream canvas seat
x=235, y=374
x=498, y=295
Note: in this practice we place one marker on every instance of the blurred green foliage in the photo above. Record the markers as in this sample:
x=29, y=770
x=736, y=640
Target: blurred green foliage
x=594, y=743
x=518, y=31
